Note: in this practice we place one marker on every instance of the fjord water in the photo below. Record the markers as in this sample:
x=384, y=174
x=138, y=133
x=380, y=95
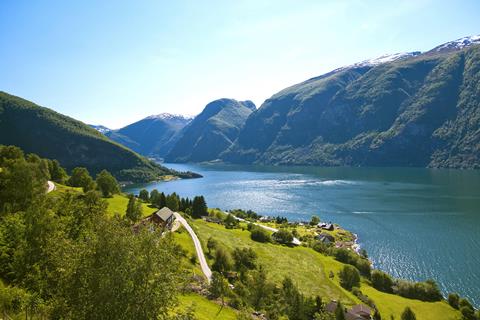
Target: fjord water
x=414, y=223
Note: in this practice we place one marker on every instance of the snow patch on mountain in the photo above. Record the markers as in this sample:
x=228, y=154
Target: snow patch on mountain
x=458, y=44
x=169, y=116
x=100, y=128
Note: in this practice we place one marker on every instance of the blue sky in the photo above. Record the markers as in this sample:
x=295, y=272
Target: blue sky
x=115, y=62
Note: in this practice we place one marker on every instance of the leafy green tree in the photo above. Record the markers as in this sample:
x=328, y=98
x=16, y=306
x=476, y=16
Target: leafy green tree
x=314, y=221
x=21, y=182
x=118, y=275
x=293, y=301
x=340, y=312
x=199, y=207
x=244, y=259
x=154, y=197
x=453, y=299
x=10, y=153
x=283, y=236
x=382, y=281
x=107, y=184
x=219, y=286
x=144, y=195
x=134, y=209
x=223, y=261
x=230, y=222
x=57, y=173
x=172, y=202
x=82, y=179
x=467, y=313
x=259, y=234
x=408, y=314
x=349, y=277
x=212, y=244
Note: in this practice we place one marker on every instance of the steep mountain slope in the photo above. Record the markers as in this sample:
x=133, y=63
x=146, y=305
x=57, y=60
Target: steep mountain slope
x=410, y=110
x=52, y=135
x=212, y=131
x=153, y=136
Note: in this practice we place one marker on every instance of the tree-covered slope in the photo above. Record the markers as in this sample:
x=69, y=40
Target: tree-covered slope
x=423, y=110
x=52, y=135
x=212, y=131
x=153, y=136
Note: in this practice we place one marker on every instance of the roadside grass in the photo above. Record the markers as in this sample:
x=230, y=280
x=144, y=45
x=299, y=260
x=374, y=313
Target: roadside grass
x=60, y=188
x=390, y=304
x=118, y=204
x=205, y=309
x=307, y=268
x=182, y=238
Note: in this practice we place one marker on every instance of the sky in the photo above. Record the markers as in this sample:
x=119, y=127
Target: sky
x=114, y=62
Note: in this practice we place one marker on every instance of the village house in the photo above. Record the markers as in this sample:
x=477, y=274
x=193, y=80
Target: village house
x=325, y=238
x=357, y=312
x=161, y=219
x=326, y=226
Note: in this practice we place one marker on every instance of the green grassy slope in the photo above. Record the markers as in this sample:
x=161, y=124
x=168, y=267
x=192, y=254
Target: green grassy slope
x=310, y=269
x=52, y=135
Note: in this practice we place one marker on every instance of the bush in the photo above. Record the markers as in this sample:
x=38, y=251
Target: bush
x=453, y=299
x=382, y=281
x=350, y=257
x=259, y=234
x=425, y=291
x=283, y=236
x=408, y=314
x=349, y=277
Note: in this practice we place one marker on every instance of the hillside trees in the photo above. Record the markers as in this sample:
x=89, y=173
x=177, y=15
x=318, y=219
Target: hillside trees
x=81, y=178
x=107, y=184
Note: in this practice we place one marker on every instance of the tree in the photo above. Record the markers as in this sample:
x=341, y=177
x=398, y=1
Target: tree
x=154, y=197
x=199, y=207
x=340, y=312
x=230, y=222
x=81, y=178
x=219, y=286
x=172, y=202
x=223, y=261
x=314, y=221
x=408, y=314
x=382, y=281
x=244, y=259
x=107, y=184
x=212, y=244
x=57, y=173
x=134, y=209
x=144, y=195
x=453, y=299
x=349, y=277
x=259, y=234
x=467, y=313
x=283, y=236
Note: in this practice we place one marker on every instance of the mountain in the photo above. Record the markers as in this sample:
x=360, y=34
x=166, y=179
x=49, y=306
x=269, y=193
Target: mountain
x=212, y=131
x=52, y=135
x=413, y=109
x=100, y=128
x=153, y=136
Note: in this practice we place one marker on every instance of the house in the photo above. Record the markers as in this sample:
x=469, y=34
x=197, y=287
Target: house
x=325, y=238
x=357, y=312
x=163, y=217
x=326, y=226
x=362, y=311
x=212, y=219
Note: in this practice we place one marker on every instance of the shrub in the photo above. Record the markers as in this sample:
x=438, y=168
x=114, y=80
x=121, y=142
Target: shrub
x=283, y=236
x=382, y=281
x=453, y=299
x=349, y=277
x=425, y=291
x=408, y=314
x=259, y=234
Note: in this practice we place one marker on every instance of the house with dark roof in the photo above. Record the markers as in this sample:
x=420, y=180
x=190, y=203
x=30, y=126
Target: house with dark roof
x=325, y=238
x=357, y=312
x=163, y=217
x=326, y=226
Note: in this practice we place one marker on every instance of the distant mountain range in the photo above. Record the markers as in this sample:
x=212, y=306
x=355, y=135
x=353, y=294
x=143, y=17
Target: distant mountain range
x=212, y=131
x=153, y=136
x=405, y=109
x=52, y=135
x=413, y=109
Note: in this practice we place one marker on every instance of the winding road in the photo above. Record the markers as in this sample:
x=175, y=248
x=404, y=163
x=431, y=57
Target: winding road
x=198, y=247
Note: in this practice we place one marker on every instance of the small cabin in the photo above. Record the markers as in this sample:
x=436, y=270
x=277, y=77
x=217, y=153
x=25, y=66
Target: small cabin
x=163, y=217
